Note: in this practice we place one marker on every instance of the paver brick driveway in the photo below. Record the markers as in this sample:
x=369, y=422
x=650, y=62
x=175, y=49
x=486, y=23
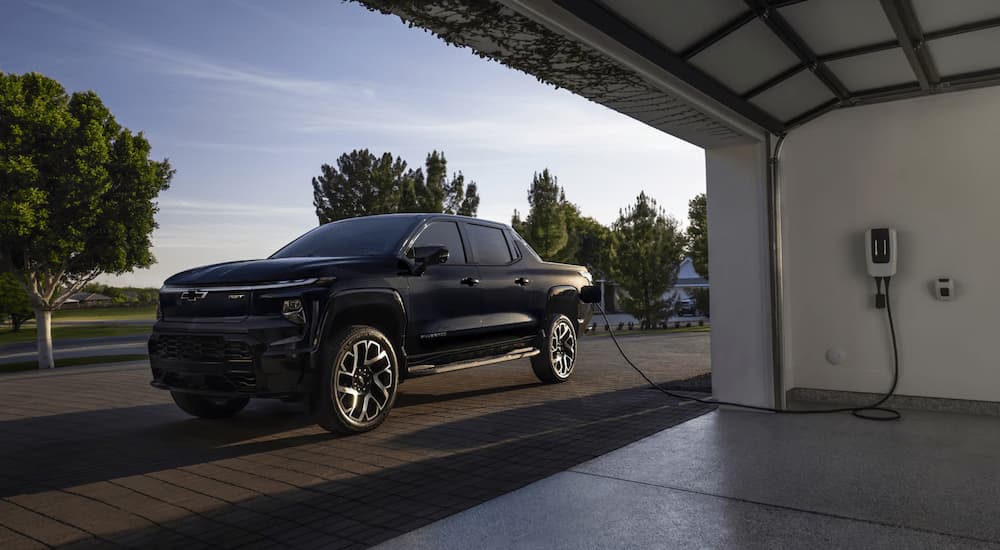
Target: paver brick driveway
x=95, y=457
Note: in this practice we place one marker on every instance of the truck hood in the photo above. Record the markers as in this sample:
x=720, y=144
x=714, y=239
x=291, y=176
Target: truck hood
x=261, y=271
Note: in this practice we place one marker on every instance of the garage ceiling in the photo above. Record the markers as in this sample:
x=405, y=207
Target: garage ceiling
x=775, y=63
x=795, y=60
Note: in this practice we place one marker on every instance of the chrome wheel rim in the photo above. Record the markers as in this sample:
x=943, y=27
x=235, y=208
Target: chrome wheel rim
x=363, y=383
x=562, y=348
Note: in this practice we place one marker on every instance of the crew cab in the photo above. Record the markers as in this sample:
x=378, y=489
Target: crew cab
x=346, y=312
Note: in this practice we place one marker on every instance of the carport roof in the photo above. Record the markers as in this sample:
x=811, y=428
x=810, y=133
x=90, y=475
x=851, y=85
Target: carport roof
x=774, y=63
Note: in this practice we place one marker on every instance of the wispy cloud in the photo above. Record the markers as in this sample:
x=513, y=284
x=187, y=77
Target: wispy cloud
x=179, y=63
x=242, y=147
x=171, y=206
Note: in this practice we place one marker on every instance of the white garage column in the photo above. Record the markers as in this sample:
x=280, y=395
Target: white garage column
x=739, y=270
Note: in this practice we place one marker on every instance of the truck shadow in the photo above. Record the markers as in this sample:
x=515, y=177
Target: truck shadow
x=454, y=465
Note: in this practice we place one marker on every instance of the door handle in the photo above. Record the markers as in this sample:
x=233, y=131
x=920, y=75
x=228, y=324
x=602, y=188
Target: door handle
x=522, y=281
x=470, y=281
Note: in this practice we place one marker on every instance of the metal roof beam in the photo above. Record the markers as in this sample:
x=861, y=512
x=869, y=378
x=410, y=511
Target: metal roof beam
x=859, y=50
x=962, y=29
x=599, y=17
x=730, y=27
x=911, y=38
x=784, y=31
x=774, y=81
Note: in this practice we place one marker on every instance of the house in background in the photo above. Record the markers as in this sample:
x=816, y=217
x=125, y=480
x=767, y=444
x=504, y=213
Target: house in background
x=87, y=299
x=688, y=280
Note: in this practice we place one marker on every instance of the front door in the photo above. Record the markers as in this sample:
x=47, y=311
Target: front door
x=444, y=302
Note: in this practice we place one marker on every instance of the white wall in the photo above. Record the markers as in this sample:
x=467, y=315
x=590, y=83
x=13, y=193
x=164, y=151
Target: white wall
x=929, y=167
x=742, y=369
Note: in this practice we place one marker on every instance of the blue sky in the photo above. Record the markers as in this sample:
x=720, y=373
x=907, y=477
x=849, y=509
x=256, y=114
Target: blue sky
x=247, y=98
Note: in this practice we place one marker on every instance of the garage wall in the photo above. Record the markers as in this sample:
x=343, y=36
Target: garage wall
x=929, y=167
x=742, y=369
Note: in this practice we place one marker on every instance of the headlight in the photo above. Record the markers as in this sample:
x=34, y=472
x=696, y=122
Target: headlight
x=159, y=310
x=292, y=310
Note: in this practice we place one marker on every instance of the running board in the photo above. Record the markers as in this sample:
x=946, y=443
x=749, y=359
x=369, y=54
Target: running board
x=424, y=370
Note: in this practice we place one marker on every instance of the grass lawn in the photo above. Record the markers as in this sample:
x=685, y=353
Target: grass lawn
x=106, y=313
x=72, y=362
x=28, y=333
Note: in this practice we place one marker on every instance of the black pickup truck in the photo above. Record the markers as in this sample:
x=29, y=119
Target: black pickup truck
x=343, y=314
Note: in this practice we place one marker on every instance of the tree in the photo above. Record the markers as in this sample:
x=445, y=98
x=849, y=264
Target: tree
x=362, y=184
x=648, y=250
x=77, y=194
x=590, y=243
x=697, y=234
x=545, y=227
x=431, y=197
x=14, y=302
x=697, y=247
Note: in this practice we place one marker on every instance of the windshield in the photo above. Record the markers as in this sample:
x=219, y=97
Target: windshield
x=369, y=236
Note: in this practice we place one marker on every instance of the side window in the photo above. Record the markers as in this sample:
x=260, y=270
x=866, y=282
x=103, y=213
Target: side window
x=512, y=246
x=490, y=245
x=444, y=234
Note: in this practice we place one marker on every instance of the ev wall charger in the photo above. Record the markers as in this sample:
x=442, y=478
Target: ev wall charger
x=880, y=244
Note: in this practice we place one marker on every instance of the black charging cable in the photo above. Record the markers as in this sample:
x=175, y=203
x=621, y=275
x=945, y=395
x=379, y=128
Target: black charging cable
x=875, y=411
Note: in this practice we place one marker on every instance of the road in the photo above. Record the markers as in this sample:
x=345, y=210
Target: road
x=77, y=347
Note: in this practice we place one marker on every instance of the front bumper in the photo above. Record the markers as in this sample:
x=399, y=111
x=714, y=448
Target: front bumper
x=256, y=357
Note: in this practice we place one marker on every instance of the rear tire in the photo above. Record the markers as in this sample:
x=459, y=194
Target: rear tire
x=558, y=350
x=358, y=386
x=208, y=407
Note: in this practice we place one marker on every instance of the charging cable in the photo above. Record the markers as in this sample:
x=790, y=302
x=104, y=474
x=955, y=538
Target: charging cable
x=875, y=411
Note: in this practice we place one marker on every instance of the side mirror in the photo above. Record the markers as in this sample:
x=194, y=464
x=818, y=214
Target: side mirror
x=590, y=294
x=426, y=256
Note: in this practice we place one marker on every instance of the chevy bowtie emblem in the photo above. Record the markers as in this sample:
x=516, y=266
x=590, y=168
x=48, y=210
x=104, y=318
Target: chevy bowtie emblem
x=193, y=295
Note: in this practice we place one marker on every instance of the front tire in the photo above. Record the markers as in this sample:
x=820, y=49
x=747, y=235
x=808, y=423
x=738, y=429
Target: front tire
x=208, y=407
x=558, y=351
x=358, y=386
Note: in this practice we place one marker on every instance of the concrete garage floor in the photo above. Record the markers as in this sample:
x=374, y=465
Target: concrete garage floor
x=749, y=480
x=94, y=457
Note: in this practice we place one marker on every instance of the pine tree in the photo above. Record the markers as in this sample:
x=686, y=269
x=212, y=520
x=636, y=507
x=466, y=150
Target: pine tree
x=545, y=226
x=648, y=250
x=362, y=184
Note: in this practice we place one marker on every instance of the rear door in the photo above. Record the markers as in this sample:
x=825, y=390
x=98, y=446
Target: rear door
x=504, y=296
x=444, y=302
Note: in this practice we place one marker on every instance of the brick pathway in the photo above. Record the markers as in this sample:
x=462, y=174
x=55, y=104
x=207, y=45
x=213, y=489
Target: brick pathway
x=95, y=457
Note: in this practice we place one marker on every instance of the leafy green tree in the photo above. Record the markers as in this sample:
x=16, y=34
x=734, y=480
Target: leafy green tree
x=648, y=250
x=545, y=227
x=14, y=302
x=697, y=247
x=590, y=243
x=77, y=194
x=697, y=234
x=362, y=184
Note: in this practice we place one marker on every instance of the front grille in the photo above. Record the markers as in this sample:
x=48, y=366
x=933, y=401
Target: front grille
x=201, y=349
x=238, y=352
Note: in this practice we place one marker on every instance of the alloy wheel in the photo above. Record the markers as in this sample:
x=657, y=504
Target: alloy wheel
x=562, y=347
x=363, y=381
